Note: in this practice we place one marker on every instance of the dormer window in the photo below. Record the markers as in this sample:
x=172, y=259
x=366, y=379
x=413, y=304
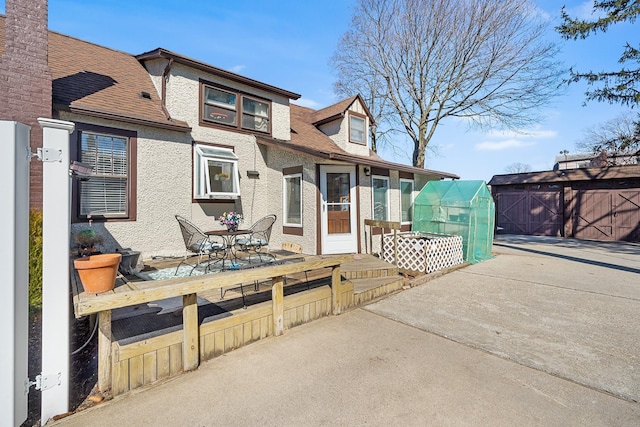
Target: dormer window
x=357, y=131
x=219, y=106
x=255, y=115
x=224, y=106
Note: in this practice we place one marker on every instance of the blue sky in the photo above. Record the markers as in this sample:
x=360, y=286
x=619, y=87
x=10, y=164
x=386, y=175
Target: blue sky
x=288, y=44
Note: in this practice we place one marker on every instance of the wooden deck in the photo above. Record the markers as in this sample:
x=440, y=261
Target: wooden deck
x=149, y=330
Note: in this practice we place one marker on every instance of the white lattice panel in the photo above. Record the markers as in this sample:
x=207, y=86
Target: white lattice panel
x=424, y=253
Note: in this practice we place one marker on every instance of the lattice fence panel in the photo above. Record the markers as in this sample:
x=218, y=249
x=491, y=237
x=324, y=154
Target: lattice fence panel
x=424, y=253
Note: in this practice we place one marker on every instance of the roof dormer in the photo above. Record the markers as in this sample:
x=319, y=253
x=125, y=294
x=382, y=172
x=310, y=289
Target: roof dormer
x=347, y=124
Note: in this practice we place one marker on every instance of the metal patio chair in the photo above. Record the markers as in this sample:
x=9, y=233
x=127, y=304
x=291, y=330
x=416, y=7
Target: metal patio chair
x=198, y=244
x=257, y=237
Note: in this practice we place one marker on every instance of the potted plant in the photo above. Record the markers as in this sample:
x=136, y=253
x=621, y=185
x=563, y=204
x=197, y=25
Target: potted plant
x=98, y=272
x=87, y=239
x=231, y=220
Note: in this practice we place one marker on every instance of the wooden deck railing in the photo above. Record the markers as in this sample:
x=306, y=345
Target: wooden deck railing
x=395, y=226
x=188, y=287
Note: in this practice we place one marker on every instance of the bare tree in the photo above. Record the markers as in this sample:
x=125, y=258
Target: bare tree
x=517, y=167
x=368, y=86
x=614, y=142
x=421, y=61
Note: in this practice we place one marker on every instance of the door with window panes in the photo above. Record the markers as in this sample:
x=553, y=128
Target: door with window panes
x=338, y=209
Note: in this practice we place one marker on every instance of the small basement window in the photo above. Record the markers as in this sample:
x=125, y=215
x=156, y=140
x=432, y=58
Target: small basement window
x=215, y=173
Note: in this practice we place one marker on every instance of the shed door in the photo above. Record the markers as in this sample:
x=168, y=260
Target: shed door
x=532, y=212
x=512, y=212
x=627, y=215
x=607, y=215
x=593, y=215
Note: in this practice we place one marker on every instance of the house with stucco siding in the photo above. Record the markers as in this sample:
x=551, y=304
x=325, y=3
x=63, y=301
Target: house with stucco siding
x=167, y=134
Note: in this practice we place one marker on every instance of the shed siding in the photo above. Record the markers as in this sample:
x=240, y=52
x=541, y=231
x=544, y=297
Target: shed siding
x=597, y=209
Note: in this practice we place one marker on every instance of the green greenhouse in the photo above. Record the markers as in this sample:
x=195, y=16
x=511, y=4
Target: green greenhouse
x=461, y=208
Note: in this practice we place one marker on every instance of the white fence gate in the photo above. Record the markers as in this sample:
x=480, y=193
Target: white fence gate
x=14, y=265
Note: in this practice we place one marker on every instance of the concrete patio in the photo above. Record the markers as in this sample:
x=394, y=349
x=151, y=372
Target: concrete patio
x=543, y=334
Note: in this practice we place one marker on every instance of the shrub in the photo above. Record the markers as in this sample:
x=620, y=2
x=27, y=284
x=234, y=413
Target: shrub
x=35, y=260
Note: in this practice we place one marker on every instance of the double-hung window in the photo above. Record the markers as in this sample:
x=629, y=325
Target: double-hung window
x=107, y=194
x=357, y=132
x=406, y=200
x=380, y=186
x=235, y=109
x=292, y=200
x=215, y=173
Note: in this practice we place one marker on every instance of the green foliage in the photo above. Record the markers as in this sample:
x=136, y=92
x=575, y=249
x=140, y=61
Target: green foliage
x=616, y=11
x=35, y=260
x=620, y=87
x=87, y=237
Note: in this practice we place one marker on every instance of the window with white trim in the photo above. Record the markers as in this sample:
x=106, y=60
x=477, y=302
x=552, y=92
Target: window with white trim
x=292, y=200
x=380, y=188
x=357, y=132
x=215, y=173
x=406, y=201
x=106, y=193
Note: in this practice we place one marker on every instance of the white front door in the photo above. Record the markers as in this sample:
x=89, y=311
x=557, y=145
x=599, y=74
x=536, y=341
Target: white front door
x=338, y=209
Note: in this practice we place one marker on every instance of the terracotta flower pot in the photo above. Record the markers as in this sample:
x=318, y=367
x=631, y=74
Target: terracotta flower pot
x=98, y=272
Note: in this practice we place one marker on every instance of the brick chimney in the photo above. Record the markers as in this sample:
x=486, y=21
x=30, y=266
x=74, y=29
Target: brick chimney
x=25, y=79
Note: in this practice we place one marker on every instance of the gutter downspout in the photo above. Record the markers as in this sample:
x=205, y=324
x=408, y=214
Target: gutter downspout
x=165, y=78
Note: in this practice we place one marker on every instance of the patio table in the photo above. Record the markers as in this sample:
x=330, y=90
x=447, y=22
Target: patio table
x=229, y=239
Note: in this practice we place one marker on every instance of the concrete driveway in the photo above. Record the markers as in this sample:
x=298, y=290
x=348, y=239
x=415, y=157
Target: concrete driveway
x=545, y=334
x=566, y=307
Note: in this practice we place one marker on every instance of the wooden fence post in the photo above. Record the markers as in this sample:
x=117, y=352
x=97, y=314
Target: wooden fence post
x=395, y=247
x=191, y=338
x=104, y=350
x=277, y=302
x=336, y=290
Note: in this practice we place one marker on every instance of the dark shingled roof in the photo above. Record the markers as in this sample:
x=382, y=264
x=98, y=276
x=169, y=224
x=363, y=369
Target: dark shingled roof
x=568, y=175
x=95, y=80
x=308, y=139
x=335, y=111
x=101, y=82
x=198, y=65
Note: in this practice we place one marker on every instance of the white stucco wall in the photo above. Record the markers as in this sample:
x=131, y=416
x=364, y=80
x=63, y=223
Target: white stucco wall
x=165, y=168
x=338, y=131
x=183, y=100
x=278, y=160
x=155, y=69
x=165, y=165
x=163, y=190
